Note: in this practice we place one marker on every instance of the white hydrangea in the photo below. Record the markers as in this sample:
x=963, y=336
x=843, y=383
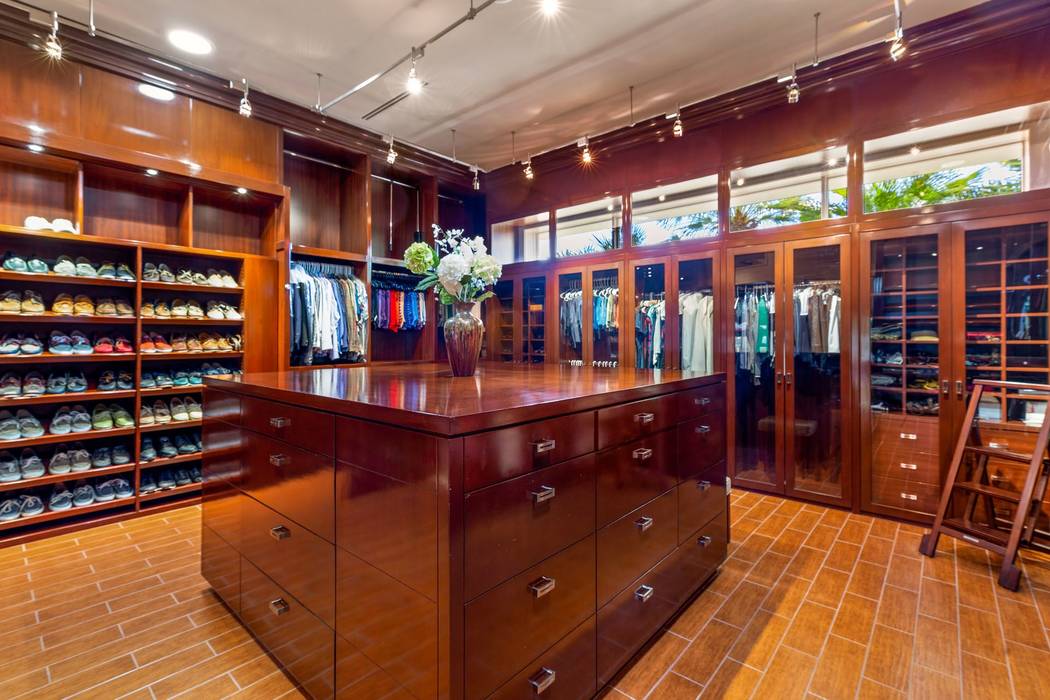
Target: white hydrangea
x=486, y=268
x=477, y=244
x=451, y=271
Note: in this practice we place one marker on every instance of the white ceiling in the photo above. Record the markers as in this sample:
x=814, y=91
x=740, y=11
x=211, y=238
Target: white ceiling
x=551, y=80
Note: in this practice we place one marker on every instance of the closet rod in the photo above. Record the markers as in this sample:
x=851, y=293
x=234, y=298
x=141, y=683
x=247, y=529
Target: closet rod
x=394, y=182
x=321, y=161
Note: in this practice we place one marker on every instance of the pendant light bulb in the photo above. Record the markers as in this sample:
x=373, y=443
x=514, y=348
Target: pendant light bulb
x=391, y=155
x=413, y=85
x=245, y=109
x=52, y=46
x=586, y=155
x=477, y=183
x=528, y=170
x=677, y=129
x=794, y=92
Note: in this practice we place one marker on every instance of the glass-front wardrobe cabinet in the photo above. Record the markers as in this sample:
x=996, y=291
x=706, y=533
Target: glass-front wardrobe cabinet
x=590, y=317
x=517, y=319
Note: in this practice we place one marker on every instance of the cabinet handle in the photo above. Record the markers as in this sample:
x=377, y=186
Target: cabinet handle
x=644, y=523
x=909, y=496
x=959, y=386
x=780, y=378
x=703, y=484
x=543, y=494
x=542, y=680
x=279, y=460
x=909, y=436
x=703, y=401
x=787, y=378
x=909, y=466
x=278, y=607
x=703, y=429
x=642, y=453
x=644, y=593
x=541, y=446
x=644, y=418
x=704, y=540
x=280, y=532
x=946, y=387
x=542, y=586
x=279, y=422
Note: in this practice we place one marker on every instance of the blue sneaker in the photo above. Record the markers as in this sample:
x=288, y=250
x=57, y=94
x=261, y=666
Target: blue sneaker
x=9, y=469
x=166, y=479
x=13, y=263
x=121, y=488
x=105, y=492
x=30, y=464
x=147, y=484
x=147, y=381
x=61, y=498
x=10, y=509
x=29, y=505
x=148, y=453
x=83, y=495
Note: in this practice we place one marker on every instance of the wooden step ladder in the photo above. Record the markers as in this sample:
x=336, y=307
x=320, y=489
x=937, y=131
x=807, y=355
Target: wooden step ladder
x=976, y=486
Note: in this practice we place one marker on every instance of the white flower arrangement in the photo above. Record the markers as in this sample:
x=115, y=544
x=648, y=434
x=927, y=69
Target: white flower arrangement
x=459, y=268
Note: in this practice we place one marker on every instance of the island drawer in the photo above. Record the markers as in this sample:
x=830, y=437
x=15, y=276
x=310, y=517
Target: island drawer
x=638, y=419
x=310, y=430
x=566, y=672
x=512, y=525
x=221, y=405
x=701, y=443
x=701, y=554
x=298, y=484
x=634, y=543
x=300, y=561
x=700, y=498
x=221, y=509
x=502, y=454
x=696, y=403
x=221, y=566
x=634, y=474
x=223, y=456
x=301, y=643
x=523, y=617
x=356, y=677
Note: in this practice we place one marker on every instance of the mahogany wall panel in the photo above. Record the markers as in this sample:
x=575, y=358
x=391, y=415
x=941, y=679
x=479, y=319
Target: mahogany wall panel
x=28, y=191
x=315, y=213
x=36, y=91
x=225, y=140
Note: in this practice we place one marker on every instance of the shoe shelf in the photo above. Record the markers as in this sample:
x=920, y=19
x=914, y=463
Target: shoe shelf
x=49, y=515
x=67, y=397
x=23, y=484
x=162, y=462
x=52, y=317
x=170, y=425
x=190, y=288
x=51, y=278
x=190, y=355
x=51, y=357
x=150, y=321
x=174, y=491
x=167, y=391
x=48, y=438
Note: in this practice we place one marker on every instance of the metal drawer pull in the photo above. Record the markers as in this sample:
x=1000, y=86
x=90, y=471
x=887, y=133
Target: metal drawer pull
x=909, y=496
x=644, y=523
x=702, y=401
x=542, y=680
x=541, y=446
x=279, y=460
x=704, y=540
x=642, y=453
x=909, y=436
x=542, y=586
x=278, y=607
x=703, y=485
x=279, y=422
x=280, y=532
x=703, y=429
x=543, y=494
x=644, y=418
x=909, y=466
x=644, y=593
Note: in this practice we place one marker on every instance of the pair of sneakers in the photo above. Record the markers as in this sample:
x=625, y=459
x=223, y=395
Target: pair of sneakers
x=67, y=383
x=110, y=456
x=81, y=267
x=70, y=459
x=24, y=506
x=104, y=345
x=29, y=303
x=180, y=410
x=109, y=417
x=178, y=308
x=166, y=447
x=85, y=494
x=167, y=479
x=218, y=311
x=153, y=343
x=17, y=344
x=33, y=265
x=75, y=343
x=69, y=420
x=152, y=272
x=163, y=379
x=28, y=465
x=221, y=278
x=12, y=384
x=115, y=381
x=21, y=424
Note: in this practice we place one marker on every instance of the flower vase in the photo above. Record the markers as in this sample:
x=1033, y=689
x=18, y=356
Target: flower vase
x=463, y=335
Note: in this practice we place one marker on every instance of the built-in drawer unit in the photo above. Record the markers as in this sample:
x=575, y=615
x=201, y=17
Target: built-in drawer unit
x=631, y=545
x=701, y=443
x=296, y=483
x=700, y=498
x=635, y=473
x=311, y=430
x=696, y=403
x=221, y=566
x=638, y=419
x=566, y=672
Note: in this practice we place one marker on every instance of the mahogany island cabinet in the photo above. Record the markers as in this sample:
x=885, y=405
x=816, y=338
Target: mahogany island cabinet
x=390, y=531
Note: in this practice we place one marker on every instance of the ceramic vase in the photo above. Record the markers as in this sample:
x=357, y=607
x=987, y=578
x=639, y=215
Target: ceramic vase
x=463, y=335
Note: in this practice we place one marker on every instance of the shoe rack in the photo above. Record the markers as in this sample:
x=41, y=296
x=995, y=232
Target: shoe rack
x=136, y=219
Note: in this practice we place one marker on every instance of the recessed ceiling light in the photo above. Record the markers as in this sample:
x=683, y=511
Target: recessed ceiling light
x=549, y=8
x=915, y=150
x=242, y=190
x=151, y=172
x=190, y=42
x=36, y=129
x=156, y=93
x=35, y=148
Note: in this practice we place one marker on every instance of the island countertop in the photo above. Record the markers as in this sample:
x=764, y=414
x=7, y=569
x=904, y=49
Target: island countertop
x=425, y=396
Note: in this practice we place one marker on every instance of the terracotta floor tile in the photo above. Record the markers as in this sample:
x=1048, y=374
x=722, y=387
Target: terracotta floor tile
x=1021, y=623
x=753, y=547
x=693, y=618
x=855, y=618
x=705, y=654
x=940, y=567
x=976, y=591
x=768, y=569
x=650, y=666
x=883, y=528
x=788, y=542
x=938, y=645
x=904, y=572
x=733, y=681
x=805, y=521
x=786, y=596
x=867, y=580
x=843, y=556
x=807, y=562
x=980, y=634
x=927, y=683
x=877, y=550
x=727, y=580
x=907, y=544
x=215, y=688
x=834, y=517
x=889, y=657
x=855, y=531
x=822, y=537
x=828, y=587
x=984, y=679
x=897, y=609
x=740, y=606
x=773, y=525
x=788, y=675
x=756, y=646
x=938, y=599
x=870, y=690
x=809, y=628
x=839, y=669
x=675, y=687
x=1031, y=681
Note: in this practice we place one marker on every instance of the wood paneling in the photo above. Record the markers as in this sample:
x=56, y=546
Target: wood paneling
x=38, y=92
x=224, y=140
x=29, y=191
x=316, y=197
x=122, y=204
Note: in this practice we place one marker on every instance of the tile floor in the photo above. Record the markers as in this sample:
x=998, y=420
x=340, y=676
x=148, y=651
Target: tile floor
x=812, y=602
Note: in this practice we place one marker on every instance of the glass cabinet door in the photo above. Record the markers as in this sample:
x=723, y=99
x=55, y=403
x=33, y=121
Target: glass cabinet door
x=696, y=315
x=605, y=317
x=754, y=447
x=817, y=410
x=533, y=328
x=570, y=318
x=650, y=316
x=502, y=309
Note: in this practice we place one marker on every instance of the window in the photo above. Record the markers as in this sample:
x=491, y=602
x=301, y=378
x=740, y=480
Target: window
x=681, y=211
x=992, y=154
x=589, y=228
x=522, y=239
x=804, y=188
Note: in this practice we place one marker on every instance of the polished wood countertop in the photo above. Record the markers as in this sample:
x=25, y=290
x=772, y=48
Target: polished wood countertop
x=425, y=396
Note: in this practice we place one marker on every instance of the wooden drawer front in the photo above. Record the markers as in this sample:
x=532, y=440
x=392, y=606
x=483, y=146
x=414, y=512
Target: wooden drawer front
x=297, y=484
x=298, y=560
x=701, y=443
x=905, y=493
x=395, y=627
x=700, y=499
x=1022, y=441
x=912, y=433
x=391, y=521
x=707, y=400
x=699, y=556
x=634, y=543
x=221, y=567
x=522, y=618
x=631, y=618
x=566, y=672
x=899, y=463
x=356, y=677
x=310, y=430
x=300, y=642
x=510, y=452
x=224, y=454
x=635, y=474
x=631, y=421
x=221, y=510
x=512, y=525
x=221, y=405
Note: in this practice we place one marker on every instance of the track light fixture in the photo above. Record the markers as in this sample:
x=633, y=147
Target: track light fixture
x=245, y=110
x=414, y=85
x=677, y=130
x=391, y=154
x=793, y=90
x=585, y=151
x=528, y=169
x=816, y=38
x=898, y=48
x=477, y=183
x=52, y=46
x=91, y=18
